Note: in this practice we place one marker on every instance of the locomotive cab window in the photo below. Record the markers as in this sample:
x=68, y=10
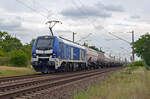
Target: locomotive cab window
x=45, y=43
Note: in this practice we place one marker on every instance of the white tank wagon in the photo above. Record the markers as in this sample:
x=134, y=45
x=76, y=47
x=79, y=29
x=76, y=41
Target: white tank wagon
x=96, y=59
x=91, y=57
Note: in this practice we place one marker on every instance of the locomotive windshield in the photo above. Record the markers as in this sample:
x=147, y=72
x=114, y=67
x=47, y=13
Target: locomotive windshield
x=45, y=43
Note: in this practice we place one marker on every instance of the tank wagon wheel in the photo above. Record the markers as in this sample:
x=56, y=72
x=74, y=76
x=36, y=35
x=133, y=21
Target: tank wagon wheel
x=102, y=65
x=94, y=65
x=97, y=67
x=91, y=67
x=82, y=66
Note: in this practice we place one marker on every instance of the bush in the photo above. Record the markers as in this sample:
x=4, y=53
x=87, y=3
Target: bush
x=2, y=53
x=18, y=58
x=139, y=63
x=28, y=52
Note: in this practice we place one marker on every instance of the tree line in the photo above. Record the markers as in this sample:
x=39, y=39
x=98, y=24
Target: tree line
x=142, y=48
x=14, y=53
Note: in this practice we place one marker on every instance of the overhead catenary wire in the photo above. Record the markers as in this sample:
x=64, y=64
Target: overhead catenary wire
x=132, y=44
x=85, y=37
x=94, y=24
x=21, y=2
x=48, y=14
x=37, y=3
x=41, y=6
x=81, y=10
x=119, y=38
x=33, y=9
x=85, y=11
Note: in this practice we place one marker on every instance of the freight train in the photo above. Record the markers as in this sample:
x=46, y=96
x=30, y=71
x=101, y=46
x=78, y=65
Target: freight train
x=52, y=53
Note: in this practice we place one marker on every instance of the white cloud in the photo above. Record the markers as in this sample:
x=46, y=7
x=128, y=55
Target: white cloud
x=95, y=17
x=97, y=10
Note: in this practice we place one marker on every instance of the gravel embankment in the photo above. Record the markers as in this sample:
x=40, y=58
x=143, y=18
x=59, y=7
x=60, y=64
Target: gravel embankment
x=67, y=91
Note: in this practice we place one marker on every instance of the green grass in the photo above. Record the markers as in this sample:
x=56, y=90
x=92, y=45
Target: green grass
x=6, y=71
x=130, y=83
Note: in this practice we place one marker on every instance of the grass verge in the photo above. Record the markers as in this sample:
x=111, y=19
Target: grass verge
x=130, y=83
x=6, y=71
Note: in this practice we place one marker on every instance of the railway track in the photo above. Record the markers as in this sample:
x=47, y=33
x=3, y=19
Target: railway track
x=14, y=78
x=29, y=87
x=7, y=80
x=33, y=77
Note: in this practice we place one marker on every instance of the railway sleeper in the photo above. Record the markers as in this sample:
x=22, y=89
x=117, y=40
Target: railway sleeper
x=44, y=86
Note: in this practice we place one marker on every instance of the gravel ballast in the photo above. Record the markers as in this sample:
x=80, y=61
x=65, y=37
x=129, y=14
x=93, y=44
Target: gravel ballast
x=67, y=91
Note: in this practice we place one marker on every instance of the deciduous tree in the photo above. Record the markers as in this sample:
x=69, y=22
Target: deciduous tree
x=142, y=48
x=9, y=43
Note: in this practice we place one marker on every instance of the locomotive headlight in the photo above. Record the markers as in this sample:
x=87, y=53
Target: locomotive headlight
x=34, y=55
x=54, y=54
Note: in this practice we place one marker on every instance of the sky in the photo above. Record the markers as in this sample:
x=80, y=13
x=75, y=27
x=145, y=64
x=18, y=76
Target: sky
x=92, y=20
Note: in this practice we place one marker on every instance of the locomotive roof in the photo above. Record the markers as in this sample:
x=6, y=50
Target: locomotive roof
x=46, y=36
x=65, y=41
x=72, y=43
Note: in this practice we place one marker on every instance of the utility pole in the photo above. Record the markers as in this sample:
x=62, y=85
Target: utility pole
x=132, y=44
x=52, y=24
x=73, y=36
x=132, y=47
x=100, y=49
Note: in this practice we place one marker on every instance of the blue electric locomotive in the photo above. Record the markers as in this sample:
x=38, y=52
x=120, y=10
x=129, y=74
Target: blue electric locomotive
x=51, y=53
